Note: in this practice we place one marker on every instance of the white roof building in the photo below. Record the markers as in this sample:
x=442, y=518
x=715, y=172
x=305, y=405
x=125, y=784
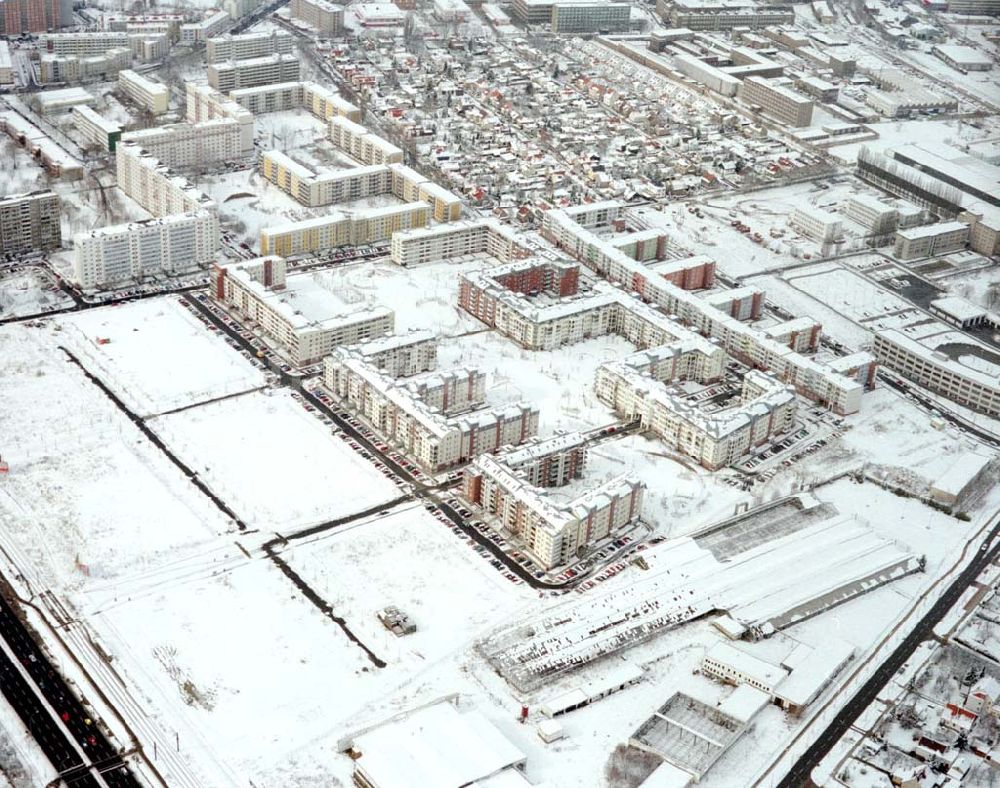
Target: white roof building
x=437, y=746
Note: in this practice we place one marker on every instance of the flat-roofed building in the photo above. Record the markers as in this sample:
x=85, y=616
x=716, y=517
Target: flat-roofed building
x=573, y=230
x=188, y=145
x=248, y=45
x=815, y=223
x=913, y=358
x=109, y=256
x=511, y=487
x=204, y=103
x=878, y=217
x=324, y=17
x=29, y=223
x=962, y=58
x=308, y=319
x=97, y=130
x=72, y=68
x=590, y=17
x=776, y=98
x=50, y=102
x=439, y=418
x=315, y=189
x=373, y=225
x=6, y=68
x=930, y=239
x=722, y=15
x=457, y=239
x=154, y=186
x=275, y=97
x=359, y=143
x=212, y=25
x=325, y=103
x=236, y=74
x=150, y=95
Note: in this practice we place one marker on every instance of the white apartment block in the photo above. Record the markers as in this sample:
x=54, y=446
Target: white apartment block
x=6, y=68
x=437, y=418
x=150, y=46
x=29, y=223
x=316, y=189
x=82, y=44
x=777, y=99
x=815, y=223
x=938, y=372
x=355, y=140
x=299, y=312
x=276, y=97
x=324, y=17
x=248, y=45
x=70, y=68
x=571, y=230
x=511, y=487
x=236, y=74
x=282, y=96
x=369, y=226
x=212, y=25
x=877, y=217
x=704, y=15
x=205, y=103
x=161, y=192
x=188, y=145
x=457, y=239
x=801, y=334
x=97, y=130
x=931, y=239
x=401, y=355
x=325, y=103
x=150, y=95
x=146, y=46
x=110, y=256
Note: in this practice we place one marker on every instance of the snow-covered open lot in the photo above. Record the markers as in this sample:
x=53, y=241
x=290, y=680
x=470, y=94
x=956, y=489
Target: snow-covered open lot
x=64, y=510
x=157, y=354
x=276, y=464
x=260, y=651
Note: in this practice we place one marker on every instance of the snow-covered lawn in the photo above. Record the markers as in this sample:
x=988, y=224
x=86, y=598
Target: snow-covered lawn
x=417, y=563
x=422, y=297
x=560, y=383
x=680, y=497
x=159, y=357
x=277, y=465
x=244, y=645
x=848, y=293
x=84, y=485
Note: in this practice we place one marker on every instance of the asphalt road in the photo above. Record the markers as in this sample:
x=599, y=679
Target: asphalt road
x=60, y=699
x=799, y=774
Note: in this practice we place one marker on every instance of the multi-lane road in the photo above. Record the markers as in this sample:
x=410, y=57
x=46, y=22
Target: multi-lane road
x=66, y=732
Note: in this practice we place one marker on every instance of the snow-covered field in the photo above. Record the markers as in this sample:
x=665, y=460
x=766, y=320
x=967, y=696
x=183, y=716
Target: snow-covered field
x=276, y=464
x=85, y=489
x=159, y=356
x=422, y=297
x=259, y=651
